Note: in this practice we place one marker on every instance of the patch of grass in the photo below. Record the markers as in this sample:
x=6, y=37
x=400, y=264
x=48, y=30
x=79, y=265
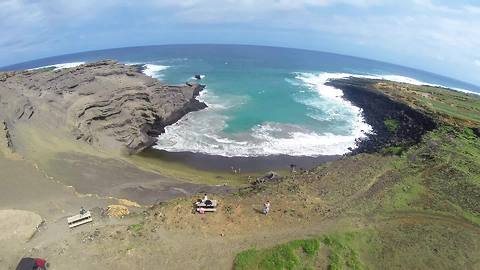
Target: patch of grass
x=246, y=258
x=405, y=242
x=391, y=124
x=451, y=107
x=298, y=254
x=416, y=242
x=393, y=150
x=342, y=255
x=136, y=228
x=451, y=167
x=441, y=174
x=405, y=195
x=341, y=248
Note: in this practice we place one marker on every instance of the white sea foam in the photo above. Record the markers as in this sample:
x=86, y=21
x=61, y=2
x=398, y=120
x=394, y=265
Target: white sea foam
x=153, y=70
x=202, y=131
x=404, y=79
x=203, y=134
x=201, y=77
x=395, y=78
x=61, y=66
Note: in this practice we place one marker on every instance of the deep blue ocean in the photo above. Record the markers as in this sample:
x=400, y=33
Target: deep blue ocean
x=262, y=100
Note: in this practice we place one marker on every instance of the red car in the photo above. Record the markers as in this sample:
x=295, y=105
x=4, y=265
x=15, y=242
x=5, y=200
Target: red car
x=32, y=264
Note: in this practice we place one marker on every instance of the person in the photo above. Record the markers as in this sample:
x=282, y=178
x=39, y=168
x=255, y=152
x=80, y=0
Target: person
x=202, y=201
x=266, y=207
x=82, y=211
x=293, y=168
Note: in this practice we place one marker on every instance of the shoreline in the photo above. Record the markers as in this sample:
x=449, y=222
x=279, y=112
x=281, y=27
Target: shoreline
x=217, y=163
x=378, y=108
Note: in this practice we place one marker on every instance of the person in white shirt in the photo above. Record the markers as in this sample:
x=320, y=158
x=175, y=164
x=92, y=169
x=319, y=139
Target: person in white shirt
x=266, y=207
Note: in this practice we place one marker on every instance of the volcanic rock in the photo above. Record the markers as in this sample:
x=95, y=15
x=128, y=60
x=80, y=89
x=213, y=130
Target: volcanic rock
x=105, y=104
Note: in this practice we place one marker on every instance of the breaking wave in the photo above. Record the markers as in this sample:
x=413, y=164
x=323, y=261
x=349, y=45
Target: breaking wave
x=61, y=66
x=153, y=70
x=203, y=131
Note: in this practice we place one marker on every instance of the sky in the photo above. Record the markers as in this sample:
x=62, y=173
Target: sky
x=439, y=36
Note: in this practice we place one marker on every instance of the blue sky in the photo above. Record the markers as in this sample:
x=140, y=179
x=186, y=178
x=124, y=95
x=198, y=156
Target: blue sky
x=435, y=35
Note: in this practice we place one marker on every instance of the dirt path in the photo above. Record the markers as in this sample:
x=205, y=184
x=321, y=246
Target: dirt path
x=100, y=246
x=107, y=246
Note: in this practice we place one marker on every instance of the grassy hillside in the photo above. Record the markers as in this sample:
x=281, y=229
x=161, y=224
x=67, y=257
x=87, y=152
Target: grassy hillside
x=448, y=106
x=420, y=206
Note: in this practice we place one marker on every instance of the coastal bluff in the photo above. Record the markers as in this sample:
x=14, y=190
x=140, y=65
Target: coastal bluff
x=106, y=104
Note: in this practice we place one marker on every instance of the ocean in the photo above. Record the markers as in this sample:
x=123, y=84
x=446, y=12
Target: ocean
x=262, y=101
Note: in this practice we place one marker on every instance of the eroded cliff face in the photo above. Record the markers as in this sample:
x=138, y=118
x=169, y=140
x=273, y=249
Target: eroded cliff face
x=105, y=104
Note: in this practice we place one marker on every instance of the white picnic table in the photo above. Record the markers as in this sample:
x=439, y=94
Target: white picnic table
x=203, y=207
x=79, y=219
x=203, y=204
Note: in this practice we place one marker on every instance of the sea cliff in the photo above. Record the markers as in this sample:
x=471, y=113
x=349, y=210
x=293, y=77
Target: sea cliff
x=106, y=104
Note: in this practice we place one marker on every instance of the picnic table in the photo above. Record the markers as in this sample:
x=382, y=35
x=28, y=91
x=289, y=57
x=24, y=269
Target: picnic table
x=207, y=206
x=79, y=219
x=204, y=203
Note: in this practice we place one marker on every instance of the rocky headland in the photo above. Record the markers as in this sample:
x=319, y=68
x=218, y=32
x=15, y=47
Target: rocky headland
x=106, y=104
x=394, y=123
x=73, y=132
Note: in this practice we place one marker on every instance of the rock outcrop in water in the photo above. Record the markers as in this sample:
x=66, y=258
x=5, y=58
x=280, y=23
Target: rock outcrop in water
x=106, y=104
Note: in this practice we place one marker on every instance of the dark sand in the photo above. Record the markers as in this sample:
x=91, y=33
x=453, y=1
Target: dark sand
x=246, y=164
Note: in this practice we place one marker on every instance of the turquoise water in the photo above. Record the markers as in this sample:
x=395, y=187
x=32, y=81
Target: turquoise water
x=262, y=100
x=254, y=95
x=256, y=109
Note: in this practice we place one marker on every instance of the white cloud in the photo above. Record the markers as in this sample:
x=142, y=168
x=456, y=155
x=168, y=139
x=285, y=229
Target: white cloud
x=424, y=29
x=272, y=4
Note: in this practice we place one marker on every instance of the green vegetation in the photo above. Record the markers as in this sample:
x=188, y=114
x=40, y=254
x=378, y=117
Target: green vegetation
x=342, y=254
x=416, y=242
x=448, y=106
x=453, y=169
x=393, y=150
x=136, y=228
x=442, y=174
x=299, y=254
x=391, y=124
x=333, y=251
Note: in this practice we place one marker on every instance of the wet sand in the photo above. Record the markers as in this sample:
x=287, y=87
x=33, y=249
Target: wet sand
x=246, y=164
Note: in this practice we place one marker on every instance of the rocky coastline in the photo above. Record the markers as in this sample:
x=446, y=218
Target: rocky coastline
x=105, y=104
x=114, y=106
x=395, y=124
